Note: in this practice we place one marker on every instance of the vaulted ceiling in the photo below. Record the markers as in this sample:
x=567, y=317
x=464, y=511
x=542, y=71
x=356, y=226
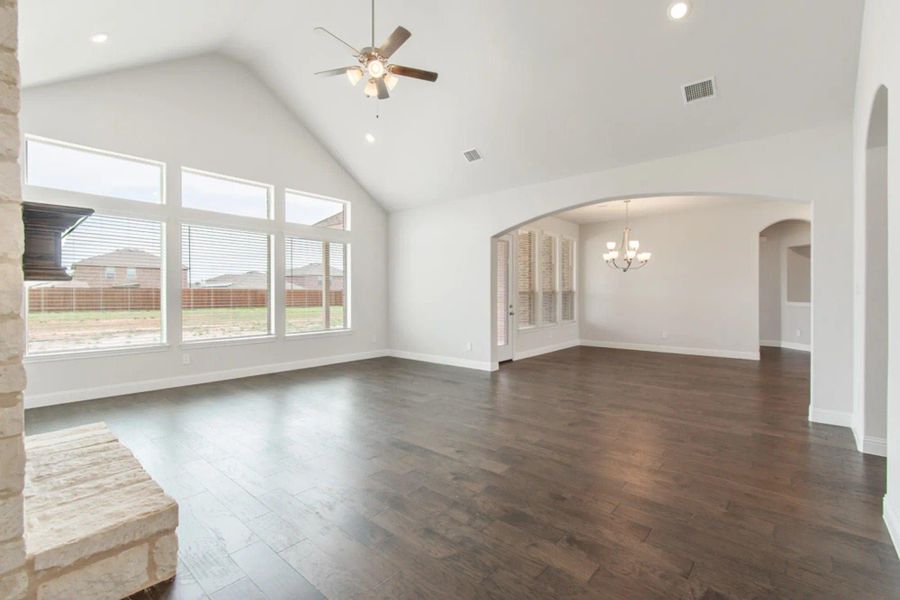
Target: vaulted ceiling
x=543, y=89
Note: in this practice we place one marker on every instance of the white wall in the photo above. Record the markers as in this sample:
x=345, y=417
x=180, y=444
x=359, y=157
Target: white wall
x=207, y=113
x=879, y=65
x=548, y=338
x=781, y=323
x=810, y=166
x=698, y=295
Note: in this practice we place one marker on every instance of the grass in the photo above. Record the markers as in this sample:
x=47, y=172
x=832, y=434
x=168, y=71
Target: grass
x=58, y=331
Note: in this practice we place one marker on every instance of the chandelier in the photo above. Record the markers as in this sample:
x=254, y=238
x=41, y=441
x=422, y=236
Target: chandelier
x=626, y=257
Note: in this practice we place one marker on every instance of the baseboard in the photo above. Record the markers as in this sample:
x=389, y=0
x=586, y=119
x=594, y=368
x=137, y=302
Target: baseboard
x=437, y=359
x=545, y=349
x=874, y=445
x=830, y=417
x=673, y=349
x=136, y=387
x=785, y=345
x=892, y=520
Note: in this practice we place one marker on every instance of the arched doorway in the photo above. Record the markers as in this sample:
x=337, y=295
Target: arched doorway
x=785, y=285
x=871, y=411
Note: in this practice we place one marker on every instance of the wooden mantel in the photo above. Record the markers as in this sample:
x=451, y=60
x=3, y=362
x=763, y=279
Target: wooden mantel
x=45, y=226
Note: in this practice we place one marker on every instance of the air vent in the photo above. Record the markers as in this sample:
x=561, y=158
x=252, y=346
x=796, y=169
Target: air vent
x=472, y=155
x=699, y=90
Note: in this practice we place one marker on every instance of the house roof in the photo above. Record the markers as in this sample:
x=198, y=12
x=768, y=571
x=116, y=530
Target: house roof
x=312, y=269
x=251, y=280
x=123, y=257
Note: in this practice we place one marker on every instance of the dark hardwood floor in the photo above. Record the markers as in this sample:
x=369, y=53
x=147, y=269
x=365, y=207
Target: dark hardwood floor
x=582, y=473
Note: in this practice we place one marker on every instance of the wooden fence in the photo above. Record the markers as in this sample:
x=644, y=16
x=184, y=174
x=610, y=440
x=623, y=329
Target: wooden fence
x=116, y=299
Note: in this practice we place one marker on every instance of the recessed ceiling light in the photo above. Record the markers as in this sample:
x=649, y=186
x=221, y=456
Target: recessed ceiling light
x=370, y=138
x=679, y=10
x=100, y=38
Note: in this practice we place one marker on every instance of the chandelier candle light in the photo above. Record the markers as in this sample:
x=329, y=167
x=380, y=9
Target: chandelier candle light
x=623, y=257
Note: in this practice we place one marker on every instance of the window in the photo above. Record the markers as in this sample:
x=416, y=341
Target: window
x=226, y=289
x=93, y=311
x=65, y=167
x=224, y=194
x=304, y=209
x=548, y=279
x=567, y=279
x=502, y=292
x=131, y=273
x=525, y=278
x=314, y=281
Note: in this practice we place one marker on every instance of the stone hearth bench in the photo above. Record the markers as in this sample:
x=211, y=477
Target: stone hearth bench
x=96, y=525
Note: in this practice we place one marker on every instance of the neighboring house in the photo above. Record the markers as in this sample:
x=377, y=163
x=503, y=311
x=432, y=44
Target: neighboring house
x=252, y=280
x=309, y=277
x=126, y=267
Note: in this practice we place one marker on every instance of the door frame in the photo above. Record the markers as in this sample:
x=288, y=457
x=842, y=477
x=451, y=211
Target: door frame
x=505, y=352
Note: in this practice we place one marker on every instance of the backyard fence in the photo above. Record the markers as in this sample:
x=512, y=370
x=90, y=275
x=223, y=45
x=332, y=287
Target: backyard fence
x=119, y=299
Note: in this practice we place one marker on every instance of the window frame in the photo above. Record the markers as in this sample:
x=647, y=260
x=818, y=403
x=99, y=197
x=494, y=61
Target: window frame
x=203, y=213
x=347, y=228
x=554, y=292
x=574, y=291
x=326, y=267
x=534, y=290
x=171, y=216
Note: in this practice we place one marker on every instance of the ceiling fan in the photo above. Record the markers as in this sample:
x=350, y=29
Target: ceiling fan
x=373, y=62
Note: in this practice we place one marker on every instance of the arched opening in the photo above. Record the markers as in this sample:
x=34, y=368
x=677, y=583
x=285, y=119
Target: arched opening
x=785, y=285
x=874, y=347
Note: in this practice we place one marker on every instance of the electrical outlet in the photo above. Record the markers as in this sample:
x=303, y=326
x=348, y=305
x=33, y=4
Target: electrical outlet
x=798, y=333
x=468, y=346
x=185, y=359
x=665, y=335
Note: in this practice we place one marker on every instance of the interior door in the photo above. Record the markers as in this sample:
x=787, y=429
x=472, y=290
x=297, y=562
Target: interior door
x=504, y=305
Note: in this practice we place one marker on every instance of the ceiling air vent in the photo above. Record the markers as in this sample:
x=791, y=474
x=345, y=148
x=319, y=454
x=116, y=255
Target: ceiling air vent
x=472, y=155
x=699, y=90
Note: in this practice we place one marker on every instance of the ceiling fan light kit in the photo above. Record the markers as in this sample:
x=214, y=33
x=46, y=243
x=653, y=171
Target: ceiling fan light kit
x=373, y=63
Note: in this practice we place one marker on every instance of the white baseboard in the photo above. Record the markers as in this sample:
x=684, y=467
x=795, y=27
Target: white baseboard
x=892, y=520
x=673, y=349
x=545, y=349
x=105, y=391
x=443, y=360
x=830, y=417
x=874, y=445
x=786, y=345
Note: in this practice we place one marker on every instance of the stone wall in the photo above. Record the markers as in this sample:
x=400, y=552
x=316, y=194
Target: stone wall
x=13, y=574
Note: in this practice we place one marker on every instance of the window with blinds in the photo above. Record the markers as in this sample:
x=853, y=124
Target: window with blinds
x=221, y=194
x=315, y=285
x=502, y=305
x=567, y=279
x=226, y=283
x=305, y=209
x=525, y=278
x=548, y=279
x=113, y=298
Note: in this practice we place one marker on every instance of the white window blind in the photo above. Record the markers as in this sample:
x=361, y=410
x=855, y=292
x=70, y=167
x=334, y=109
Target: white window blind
x=304, y=209
x=225, y=292
x=314, y=279
x=65, y=167
x=548, y=279
x=224, y=194
x=525, y=278
x=103, y=306
x=567, y=279
x=502, y=304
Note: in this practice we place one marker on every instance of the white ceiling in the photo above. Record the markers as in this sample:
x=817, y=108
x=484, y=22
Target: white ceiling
x=645, y=207
x=543, y=89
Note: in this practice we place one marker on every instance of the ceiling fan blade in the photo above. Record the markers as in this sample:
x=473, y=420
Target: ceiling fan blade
x=412, y=72
x=326, y=32
x=394, y=41
x=382, y=89
x=332, y=72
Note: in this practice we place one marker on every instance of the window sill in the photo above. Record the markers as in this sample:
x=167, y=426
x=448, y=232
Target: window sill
x=315, y=334
x=241, y=341
x=97, y=353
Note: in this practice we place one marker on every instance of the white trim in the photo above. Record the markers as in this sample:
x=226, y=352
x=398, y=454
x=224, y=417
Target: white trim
x=830, y=417
x=94, y=353
x=874, y=445
x=545, y=349
x=892, y=520
x=786, y=345
x=105, y=391
x=443, y=360
x=673, y=349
